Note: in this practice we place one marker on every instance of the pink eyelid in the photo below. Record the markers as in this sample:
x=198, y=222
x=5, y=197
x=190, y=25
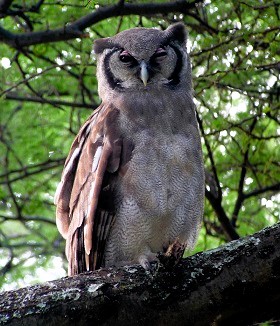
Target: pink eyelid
x=124, y=52
x=160, y=50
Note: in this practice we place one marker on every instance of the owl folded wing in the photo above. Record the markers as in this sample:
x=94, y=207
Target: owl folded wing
x=84, y=199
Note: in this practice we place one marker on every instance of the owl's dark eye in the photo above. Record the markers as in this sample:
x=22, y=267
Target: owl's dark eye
x=160, y=53
x=125, y=57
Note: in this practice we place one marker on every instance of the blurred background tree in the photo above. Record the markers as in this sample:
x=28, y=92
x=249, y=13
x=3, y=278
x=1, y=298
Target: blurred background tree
x=48, y=88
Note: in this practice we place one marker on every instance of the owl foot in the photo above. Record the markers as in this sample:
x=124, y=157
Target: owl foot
x=146, y=260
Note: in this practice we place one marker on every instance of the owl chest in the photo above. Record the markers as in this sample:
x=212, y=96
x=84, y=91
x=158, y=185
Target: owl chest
x=160, y=171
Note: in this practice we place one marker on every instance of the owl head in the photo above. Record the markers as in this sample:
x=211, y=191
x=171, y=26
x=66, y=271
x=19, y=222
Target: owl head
x=142, y=60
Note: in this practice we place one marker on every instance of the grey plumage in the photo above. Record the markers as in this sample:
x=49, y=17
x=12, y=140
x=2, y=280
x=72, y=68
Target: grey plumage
x=133, y=182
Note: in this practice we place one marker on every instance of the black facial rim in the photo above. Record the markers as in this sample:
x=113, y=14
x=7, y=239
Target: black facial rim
x=174, y=78
x=111, y=79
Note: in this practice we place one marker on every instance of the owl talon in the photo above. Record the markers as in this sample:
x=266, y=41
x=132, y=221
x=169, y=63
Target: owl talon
x=146, y=260
x=146, y=265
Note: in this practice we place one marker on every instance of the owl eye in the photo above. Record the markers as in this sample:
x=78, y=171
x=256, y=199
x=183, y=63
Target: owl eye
x=160, y=53
x=125, y=57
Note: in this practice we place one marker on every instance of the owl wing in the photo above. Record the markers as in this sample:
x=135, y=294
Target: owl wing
x=84, y=197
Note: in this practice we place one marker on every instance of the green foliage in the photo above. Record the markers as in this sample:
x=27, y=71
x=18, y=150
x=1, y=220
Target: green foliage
x=48, y=90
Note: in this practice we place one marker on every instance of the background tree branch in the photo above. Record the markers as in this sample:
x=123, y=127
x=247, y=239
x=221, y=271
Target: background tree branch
x=76, y=28
x=4, y=5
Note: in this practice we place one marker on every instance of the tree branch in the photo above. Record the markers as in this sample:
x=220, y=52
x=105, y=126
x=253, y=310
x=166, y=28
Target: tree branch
x=27, y=218
x=215, y=197
x=4, y=6
x=244, y=166
x=228, y=228
x=29, y=170
x=237, y=284
x=76, y=29
x=275, y=187
x=37, y=99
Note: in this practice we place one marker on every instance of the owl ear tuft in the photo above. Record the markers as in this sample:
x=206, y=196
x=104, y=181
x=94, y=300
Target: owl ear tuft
x=101, y=44
x=176, y=32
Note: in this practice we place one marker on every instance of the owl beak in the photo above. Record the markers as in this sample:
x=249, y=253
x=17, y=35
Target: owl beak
x=144, y=74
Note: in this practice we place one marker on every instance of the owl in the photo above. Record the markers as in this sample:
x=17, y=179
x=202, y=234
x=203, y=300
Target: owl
x=133, y=182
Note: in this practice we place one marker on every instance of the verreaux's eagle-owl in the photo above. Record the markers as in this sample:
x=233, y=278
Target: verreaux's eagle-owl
x=133, y=182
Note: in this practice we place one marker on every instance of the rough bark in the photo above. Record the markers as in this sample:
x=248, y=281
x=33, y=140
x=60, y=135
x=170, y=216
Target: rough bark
x=237, y=284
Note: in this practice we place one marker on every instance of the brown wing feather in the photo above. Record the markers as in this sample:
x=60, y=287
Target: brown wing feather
x=84, y=198
x=64, y=189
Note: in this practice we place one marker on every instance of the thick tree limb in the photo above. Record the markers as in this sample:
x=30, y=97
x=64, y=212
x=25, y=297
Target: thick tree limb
x=76, y=28
x=237, y=284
